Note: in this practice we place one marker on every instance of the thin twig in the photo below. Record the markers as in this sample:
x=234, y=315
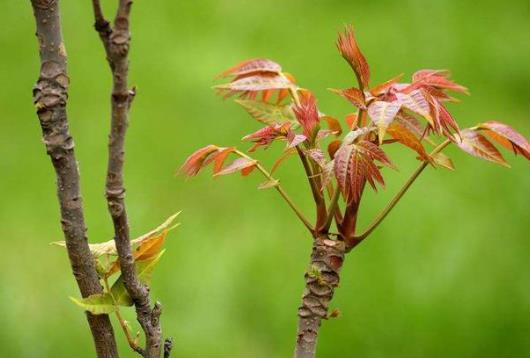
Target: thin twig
x=50, y=96
x=116, y=39
x=280, y=190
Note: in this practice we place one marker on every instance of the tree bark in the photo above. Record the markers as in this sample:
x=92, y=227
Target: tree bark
x=116, y=41
x=50, y=97
x=321, y=280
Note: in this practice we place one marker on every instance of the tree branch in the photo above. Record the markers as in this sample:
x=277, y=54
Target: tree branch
x=381, y=216
x=50, y=97
x=116, y=39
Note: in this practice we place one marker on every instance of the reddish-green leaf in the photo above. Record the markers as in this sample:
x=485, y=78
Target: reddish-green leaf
x=252, y=66
x=237, y=165
x=382, y=114
x=477, y=145
x=507, y=137
x=256, y=83
x=442, y=160
x=415, y=101
x=267, y=113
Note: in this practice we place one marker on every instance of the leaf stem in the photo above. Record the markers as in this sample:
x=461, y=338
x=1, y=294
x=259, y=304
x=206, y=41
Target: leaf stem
x=123, y=323
x=280, y=190
x=381, y=216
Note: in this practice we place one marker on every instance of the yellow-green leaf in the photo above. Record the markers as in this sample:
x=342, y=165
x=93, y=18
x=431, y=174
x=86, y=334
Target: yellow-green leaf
x=96, y=304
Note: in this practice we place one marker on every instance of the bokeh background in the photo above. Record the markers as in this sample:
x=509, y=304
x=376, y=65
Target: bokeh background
x=446, y=275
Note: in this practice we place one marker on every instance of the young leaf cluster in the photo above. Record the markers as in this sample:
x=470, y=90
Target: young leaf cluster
x=413, y=114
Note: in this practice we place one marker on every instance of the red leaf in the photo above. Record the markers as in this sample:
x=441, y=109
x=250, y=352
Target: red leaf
x=252, y=66
x=307, y=114
x=477, y=145
x=349, y=49
x=353, y=95
x=195, y=161
x=237, y=165
x=507, y=137
x=354, y=164
x=438, y=79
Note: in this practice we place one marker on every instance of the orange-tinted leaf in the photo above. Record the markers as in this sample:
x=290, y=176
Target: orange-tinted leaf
x=407, y=138
x=351, y=120
x=354, y=95
x=382, y=114
x=507, y=137
x=477, y=145
x=333, y=124
x=220, y=157
x=349, y=49
x=247, y=170
x=237, y=165
x=333, y=147
x=252, y=66
x=194, y=163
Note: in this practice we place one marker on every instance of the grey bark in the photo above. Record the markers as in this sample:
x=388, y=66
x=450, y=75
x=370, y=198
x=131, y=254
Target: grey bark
x=321, y=280
x=116, y=41
x=50, y=97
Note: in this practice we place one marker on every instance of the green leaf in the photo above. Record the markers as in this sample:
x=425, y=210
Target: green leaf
x=144, y=270
x=96, y=304
x=267, y=113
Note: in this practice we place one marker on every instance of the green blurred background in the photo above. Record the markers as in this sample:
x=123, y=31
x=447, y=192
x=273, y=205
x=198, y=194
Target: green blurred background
x=446, y=275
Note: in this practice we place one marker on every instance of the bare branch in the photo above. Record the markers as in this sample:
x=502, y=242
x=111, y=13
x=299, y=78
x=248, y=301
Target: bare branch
x=50, y=96
x=116, y=40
